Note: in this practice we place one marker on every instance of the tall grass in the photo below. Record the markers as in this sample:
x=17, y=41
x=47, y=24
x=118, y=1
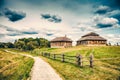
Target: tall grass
x=102, y=70
x=14, y=67
x=73, y=72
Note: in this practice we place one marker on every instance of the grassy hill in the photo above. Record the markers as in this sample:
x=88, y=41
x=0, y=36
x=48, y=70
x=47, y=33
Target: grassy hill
x=102, y=70
x=14, y=66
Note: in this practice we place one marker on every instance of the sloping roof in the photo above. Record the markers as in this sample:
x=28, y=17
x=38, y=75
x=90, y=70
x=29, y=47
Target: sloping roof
x=61, y=39
x=91, y=36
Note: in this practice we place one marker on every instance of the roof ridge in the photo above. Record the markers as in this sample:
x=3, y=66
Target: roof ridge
x=64, y=38
x=91, y=34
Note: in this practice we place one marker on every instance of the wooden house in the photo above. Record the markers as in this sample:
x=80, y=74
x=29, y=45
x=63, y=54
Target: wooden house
x=92, y=39
x=61, y=42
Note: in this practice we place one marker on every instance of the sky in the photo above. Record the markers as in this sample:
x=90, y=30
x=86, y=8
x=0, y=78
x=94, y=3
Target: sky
x=56, y=18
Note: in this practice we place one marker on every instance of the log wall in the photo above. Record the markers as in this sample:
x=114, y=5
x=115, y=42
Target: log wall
x=94, y=42
x=60, y=44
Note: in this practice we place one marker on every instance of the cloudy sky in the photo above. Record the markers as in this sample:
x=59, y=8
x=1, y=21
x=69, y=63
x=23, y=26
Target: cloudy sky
x=54, y=18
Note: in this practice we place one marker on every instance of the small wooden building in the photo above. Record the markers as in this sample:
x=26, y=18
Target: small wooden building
x=61, y=42
x=92, y=39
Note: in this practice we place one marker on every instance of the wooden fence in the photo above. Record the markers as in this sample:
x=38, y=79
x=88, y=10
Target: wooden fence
x=78, y=59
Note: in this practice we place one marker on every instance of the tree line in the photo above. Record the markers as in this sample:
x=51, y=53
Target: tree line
x=26, y=43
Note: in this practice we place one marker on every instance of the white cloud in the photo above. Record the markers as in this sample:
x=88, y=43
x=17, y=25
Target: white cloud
x=114, y=12
x=101, y=10
x=87, y=25
x=109, y=21
x=3, y=30
x=69, y=25
x=113, y=38
x=105, y=21
x=102, y=7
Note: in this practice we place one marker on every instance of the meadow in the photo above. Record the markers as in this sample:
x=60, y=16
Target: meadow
x=14, y=66
x=102, y=70
x=108, y=69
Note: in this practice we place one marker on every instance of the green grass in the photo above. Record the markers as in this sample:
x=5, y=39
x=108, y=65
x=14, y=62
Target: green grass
x=102, y=70
x=73, y=72
x=14, y=66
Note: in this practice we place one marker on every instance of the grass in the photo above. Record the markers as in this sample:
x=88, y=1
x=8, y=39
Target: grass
x=73, y=72
x=14, y=66
x=102, y=70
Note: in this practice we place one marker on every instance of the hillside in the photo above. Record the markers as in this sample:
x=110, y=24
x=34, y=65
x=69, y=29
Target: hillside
x=14, y=66
x=102, y=70
x=106, y=65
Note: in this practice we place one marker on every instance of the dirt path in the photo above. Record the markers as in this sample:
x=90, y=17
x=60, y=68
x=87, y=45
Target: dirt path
x=41, y=70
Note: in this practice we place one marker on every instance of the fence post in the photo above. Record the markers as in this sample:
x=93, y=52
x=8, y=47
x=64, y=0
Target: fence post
x=45, y=54
x=42, y=53
x=54, y=56
x=91, y=60
x=49, y=55
x=79, y=60
x=63, y=58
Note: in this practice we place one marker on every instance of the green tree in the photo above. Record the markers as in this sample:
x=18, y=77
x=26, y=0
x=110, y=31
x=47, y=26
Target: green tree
x=19, y=44
x=44, y=42
x=30, y=45
x=2, y=45
x=10, y=45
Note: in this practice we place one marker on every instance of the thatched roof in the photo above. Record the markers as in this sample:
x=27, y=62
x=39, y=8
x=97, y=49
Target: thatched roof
x=57, y=39
x=91, y=36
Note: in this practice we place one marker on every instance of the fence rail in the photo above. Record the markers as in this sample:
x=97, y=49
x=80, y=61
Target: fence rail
x=71, y=59
x=78, y=59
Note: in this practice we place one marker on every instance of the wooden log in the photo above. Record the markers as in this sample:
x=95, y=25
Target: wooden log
x=79, y=60
x=42, y=53
x=91, y=60
x=54, y=56
x=45, y=54
x=63, y=58
x=49, y=55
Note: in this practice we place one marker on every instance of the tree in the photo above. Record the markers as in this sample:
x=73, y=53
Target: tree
x=38, y=41
x=10, y=45
x=2, y=45
x=27, y=43
x=30, y=45
x=19, y=44
x=44, y=42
